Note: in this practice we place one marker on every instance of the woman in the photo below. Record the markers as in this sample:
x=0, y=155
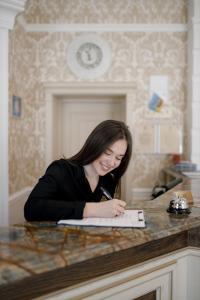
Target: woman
x=71, y=188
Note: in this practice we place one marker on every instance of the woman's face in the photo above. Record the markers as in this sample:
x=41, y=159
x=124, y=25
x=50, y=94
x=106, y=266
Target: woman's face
x=111, y=158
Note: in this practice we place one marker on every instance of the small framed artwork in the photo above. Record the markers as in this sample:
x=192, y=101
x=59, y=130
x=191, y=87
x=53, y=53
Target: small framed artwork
x=16, y=106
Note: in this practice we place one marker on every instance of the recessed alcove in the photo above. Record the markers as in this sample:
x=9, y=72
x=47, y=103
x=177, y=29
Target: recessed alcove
x=78, y=108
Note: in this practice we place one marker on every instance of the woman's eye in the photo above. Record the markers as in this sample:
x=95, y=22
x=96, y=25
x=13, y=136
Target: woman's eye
x=119, y=158
x=107, y=152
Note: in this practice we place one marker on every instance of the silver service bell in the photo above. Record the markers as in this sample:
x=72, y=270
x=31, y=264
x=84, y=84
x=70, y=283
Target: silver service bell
x=179, y=205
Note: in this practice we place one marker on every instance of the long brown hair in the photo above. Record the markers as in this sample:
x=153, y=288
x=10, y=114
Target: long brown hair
x=104, y=135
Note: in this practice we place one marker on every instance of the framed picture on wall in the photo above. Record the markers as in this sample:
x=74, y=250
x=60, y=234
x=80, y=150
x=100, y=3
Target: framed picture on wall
x=16, y=106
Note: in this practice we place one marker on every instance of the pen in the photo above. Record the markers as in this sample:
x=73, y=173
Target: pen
x=106, y=193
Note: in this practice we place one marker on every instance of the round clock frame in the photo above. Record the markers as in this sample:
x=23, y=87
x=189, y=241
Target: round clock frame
x=89, y=56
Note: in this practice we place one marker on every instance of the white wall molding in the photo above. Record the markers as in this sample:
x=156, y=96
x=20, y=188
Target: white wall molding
x=13, y=5
x=95, y=27
x=194, y=81
x=8, y=10
x=16, y=205
x=196, y=114
x=18, y=195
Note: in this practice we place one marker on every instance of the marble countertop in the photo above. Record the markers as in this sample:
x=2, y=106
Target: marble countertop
x=31, y=254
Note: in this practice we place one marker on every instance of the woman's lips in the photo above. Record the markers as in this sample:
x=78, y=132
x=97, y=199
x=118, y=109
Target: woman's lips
x=105, y=168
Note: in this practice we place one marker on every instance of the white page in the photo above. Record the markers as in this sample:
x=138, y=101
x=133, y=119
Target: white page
x=130, y=218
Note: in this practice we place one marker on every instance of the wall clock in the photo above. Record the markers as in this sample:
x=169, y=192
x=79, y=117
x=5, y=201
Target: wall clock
x=89, y=56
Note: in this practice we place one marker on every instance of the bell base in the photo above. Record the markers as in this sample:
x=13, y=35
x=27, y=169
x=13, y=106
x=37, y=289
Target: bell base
x=185, y=211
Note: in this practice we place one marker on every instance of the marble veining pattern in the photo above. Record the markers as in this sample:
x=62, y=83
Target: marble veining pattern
x=35, y=248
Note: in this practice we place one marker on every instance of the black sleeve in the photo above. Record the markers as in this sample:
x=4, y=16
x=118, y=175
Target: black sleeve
x=48, y=200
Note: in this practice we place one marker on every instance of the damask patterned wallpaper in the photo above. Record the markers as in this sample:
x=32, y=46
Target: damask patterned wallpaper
x=106, y=11
x=39, y=57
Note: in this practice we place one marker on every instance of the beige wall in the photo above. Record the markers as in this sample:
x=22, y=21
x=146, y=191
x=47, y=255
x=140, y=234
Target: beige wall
x=36, y=58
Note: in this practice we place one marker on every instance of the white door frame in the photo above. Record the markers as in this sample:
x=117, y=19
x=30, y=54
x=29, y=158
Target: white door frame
x=54, y=91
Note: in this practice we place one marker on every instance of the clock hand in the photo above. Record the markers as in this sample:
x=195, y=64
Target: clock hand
x=89, y=55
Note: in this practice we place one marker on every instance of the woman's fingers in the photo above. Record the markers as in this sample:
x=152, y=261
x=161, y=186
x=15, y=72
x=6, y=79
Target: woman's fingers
x=118, y=207
x=122, y=203
x=105, y=209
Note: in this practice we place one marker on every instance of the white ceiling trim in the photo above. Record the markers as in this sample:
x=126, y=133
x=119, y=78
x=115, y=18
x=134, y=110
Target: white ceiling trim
x=15, y=5
x=8, y=10
x=29, y=27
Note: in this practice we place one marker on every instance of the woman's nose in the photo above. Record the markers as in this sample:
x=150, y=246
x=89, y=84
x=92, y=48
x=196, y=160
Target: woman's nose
x=112, y=161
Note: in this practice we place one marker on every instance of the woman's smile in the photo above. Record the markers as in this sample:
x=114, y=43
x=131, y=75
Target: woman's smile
x=110, y=159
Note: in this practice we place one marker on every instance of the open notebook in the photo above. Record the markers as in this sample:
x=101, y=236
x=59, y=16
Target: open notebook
x=130, y=218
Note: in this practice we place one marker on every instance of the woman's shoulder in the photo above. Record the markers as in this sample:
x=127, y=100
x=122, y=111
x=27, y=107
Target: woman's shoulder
x=64, y=165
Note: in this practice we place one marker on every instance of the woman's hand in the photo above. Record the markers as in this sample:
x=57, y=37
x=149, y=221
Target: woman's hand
x=105, y=209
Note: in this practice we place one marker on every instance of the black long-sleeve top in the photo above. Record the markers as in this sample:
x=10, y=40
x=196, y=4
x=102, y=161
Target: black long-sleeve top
x=63, y=192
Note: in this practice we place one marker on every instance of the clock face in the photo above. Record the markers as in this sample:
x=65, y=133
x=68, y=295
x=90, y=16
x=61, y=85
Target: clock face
x=88, y=56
